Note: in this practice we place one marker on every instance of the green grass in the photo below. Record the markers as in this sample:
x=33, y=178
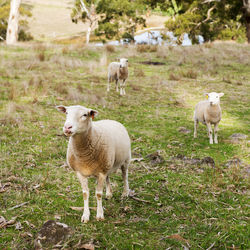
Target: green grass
x=188, y=205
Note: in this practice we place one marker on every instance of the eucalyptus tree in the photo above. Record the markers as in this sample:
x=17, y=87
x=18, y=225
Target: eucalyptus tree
x=12, y=30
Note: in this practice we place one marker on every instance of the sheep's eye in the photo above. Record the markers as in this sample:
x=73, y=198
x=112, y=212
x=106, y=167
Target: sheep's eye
x=85, y=115
x=66, y=113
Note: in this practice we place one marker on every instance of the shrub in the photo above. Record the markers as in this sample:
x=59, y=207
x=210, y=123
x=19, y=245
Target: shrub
x=110, y=48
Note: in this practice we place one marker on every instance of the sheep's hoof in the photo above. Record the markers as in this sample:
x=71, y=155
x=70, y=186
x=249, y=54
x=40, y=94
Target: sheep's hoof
x=211, y=142
x=195, y=136
x=216, y=142
x=100, y=218
x=109, y=196
x=85, y=218
x=125, y=194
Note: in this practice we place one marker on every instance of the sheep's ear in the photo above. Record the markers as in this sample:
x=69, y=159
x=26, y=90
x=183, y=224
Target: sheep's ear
x=93, y=113
x=221, y=94
x=61, y=108
x=206, y=95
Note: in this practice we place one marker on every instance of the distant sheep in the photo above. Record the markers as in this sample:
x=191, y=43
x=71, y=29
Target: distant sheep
x=118, y=71
x=208, y=112
x=95, y=149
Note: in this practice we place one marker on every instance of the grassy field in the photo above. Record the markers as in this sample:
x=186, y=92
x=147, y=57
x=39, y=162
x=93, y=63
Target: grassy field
x=178, y=202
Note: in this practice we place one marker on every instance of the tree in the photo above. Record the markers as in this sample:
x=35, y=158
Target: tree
x=4, y=17
x=85, y=10
x=12, y=30
x=119, y=18
x=213, y=19
x=246, y=11
x=110, y=18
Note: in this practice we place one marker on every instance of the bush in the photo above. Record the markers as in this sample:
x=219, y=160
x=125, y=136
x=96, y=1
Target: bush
x=141, y=48
x=110, y=48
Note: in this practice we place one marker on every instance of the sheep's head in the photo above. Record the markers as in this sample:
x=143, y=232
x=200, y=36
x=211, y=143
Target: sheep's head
x=123, y=62
x=214, y=98
x=78, y=119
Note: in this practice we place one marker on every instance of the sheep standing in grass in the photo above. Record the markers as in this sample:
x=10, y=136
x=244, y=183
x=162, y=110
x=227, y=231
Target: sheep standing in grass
x=118, y=71
x=209, y=113
x=95, y=149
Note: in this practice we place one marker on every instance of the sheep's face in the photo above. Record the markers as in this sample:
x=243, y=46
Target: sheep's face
x=214, y=98
x=78, y=119
x=123, y=62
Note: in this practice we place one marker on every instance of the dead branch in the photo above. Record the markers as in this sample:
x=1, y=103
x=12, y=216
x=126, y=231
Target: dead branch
x=137, y=199
x=19, y=205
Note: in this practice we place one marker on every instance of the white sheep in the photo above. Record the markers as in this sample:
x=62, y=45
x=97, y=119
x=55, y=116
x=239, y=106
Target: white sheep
x=209, y=113
x=118, y=71
x=95, y=149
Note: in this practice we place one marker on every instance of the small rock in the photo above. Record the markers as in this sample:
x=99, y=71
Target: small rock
x=184, y=130
x=238, y=136
x=234, y=162
x=51, y=233
x=155, y=158
x=208, y=160
x=18, y=226
x=247, y=171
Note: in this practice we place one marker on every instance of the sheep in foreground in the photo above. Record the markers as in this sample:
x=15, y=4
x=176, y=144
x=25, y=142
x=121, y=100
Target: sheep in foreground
x=118, y=71
x=209, y=113
x=95, y=149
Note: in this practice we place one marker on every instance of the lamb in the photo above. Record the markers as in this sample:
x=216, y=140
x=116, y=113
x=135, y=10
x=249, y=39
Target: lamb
x=95, y=149
x=208, y=112
x=118, y=71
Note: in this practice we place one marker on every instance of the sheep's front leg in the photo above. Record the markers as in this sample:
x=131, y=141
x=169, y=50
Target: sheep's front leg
x=210, y=133
x=99, y=190
x=122, y=88
x=216, y=128
x=85, y=190
x=108, y=189
x=196, y=122
x=125, y=180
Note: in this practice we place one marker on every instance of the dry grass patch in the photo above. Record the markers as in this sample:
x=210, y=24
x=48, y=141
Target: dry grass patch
x=162, y=52
x=110, y=48
x=174, y=76
x=190, y=74
x=142, y=48
x=138, y=72
x=41, y=57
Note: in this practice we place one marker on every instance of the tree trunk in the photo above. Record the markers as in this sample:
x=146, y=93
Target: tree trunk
x=88, y=34
x=246, y=10
x=12, y=30
x=248, y=28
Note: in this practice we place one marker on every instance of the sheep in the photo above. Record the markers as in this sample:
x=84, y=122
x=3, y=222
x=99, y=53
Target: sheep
x=95, y=149
x=208, y=112
x=118, y=71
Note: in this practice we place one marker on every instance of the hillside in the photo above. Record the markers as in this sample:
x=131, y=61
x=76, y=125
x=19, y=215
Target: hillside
x=51, y=20
x=186, y=193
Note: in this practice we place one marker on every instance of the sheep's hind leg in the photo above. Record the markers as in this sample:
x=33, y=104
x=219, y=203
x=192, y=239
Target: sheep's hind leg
x=85, y=190
x=99, y=191
x=108, y=86
x=116, y=85
x=125, y=180
x=216, y=128
x=196, y=123
x=108, y=188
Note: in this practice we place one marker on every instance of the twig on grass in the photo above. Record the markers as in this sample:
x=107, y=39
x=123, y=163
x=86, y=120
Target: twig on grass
x=137, y=199
x=19, y=205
